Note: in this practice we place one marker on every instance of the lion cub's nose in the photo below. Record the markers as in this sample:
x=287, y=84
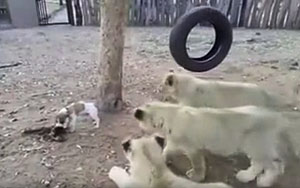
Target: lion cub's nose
x=138, y=114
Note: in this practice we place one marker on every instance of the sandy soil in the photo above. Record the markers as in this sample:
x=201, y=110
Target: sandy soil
x=59, y=65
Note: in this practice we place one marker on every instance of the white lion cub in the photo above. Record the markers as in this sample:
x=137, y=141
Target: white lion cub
x=191, y=91
x=148, y=169
x=251, y=130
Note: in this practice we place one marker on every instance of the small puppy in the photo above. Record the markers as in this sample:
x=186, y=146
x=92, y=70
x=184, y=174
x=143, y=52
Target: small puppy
x=67, y=116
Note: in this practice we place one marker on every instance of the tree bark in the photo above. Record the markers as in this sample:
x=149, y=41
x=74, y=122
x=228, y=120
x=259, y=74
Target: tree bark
x=113, y=21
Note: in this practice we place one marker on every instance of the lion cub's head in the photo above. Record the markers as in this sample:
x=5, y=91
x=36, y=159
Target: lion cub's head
x=144, y=149
x=153, y=116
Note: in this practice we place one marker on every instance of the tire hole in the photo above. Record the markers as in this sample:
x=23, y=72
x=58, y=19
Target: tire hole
x=200, y=40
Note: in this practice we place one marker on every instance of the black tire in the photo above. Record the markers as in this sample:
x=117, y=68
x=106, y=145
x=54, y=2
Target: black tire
x=183, y=27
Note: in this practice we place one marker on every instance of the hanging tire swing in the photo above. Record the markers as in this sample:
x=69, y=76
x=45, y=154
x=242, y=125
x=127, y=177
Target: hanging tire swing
x=183, y=27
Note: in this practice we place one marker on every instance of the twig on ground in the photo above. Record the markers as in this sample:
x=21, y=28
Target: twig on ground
x=211, y=77
x=17, y=109
x=39, y=94
x=48, y=133
x=10, y=65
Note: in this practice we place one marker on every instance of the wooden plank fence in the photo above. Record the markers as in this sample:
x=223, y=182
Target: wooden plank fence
x=281, y=14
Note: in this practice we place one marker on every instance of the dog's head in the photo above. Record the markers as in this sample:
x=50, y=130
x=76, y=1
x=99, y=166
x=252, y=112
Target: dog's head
x=144, y=148
x=152, y=116
x=62, y=118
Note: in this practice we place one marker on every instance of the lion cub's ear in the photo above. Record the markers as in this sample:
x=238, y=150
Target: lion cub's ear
x=139, y=114
x=160, y=140
x=170, y=80
x=126, y=144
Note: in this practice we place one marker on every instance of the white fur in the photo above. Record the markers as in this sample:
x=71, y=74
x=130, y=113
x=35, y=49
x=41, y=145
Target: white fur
x=191, y=91
x=92, y=110
x=251, y=130
x=63, y=111
x=148, y=170
x=89, y=108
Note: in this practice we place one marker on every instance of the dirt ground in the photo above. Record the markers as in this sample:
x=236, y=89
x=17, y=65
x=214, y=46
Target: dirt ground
x=59, y=65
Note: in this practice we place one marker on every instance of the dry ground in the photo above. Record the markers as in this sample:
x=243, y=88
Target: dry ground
x=59, y=65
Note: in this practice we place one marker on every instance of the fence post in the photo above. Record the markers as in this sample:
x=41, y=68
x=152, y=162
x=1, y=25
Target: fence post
x=78, y=12
x=234, y=13
x=243, y=13
x=293, y=14
x=70, y=12
x=275, y=13
x=267, y=13
x=283, y=13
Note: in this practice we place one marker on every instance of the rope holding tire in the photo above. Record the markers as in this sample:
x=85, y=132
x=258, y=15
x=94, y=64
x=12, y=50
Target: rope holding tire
x=181, y=30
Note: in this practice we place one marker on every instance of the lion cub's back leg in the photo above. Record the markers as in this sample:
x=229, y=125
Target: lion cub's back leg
x=196, y=158
x=198, y=171
x=251, y=173
x=263, y=152
x=270, y=174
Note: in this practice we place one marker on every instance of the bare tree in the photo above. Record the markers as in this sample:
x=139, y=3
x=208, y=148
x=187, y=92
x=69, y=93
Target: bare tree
x=113, y=22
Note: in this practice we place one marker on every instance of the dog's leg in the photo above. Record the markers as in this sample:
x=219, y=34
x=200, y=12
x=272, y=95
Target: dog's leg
x=119, y=176
x=94, y=115
x=270, y=174
x=251, y=173
x=72, y=124
x=198, y=171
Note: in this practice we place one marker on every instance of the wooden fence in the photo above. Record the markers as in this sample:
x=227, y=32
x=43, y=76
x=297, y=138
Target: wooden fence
x=283, y=14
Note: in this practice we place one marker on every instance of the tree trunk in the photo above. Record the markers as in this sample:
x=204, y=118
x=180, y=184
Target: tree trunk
x=113, y=21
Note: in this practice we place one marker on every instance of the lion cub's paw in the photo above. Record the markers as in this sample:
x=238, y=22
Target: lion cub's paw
x=115, y=172
x=265, y=180
x=195, y=176
x=245, y=176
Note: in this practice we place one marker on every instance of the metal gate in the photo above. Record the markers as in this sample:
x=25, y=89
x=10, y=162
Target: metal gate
x=44, y=16
x=42, y=12
x=4, y=13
